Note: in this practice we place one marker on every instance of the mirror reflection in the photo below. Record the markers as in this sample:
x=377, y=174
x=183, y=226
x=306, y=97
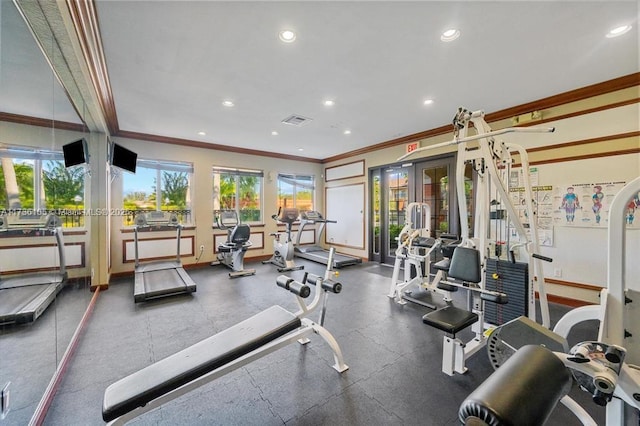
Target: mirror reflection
x=44, y=251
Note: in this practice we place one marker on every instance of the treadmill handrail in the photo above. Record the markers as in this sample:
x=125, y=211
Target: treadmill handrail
x=178, y=227
x=304, y=221
x=56, y=232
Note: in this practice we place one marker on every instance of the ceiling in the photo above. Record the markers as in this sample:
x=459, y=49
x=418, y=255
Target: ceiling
x=172, y=64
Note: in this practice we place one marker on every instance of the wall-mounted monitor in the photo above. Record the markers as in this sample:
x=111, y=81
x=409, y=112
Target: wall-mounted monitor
x=75, y=153
x=123, y=158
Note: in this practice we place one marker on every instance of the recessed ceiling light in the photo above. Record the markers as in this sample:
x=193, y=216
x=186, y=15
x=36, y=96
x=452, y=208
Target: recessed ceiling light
x=450, y=35
x=274, y=133
x=428, y=101
x=347, y=132
x=618, y=31
x=287, y=36
x=329, y=102
x=202, y=133
x=300, y=149
x=228, y=103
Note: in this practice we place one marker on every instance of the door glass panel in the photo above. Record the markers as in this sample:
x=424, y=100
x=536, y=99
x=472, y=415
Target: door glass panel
x=469, y=195
x=435, y=192
x=375, y=203
x=398, y=184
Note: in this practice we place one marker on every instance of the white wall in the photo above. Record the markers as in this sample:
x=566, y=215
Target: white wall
x=202, y=215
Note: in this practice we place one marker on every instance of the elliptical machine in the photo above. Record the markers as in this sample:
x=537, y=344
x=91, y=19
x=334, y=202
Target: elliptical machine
x=231, y=252
x=283, y=249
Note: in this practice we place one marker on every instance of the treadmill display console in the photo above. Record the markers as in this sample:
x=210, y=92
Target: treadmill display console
x=26, y=220
x=312, y=215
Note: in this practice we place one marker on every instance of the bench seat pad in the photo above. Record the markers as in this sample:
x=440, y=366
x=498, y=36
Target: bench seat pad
x=143, y=386
x=450, y=319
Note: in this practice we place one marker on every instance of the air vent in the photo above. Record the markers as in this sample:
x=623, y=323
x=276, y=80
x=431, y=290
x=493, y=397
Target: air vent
x=297, y=120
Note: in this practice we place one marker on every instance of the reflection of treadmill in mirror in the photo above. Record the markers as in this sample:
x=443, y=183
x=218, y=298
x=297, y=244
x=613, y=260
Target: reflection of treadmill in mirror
x=313, y=251
x=24, y=297
x=157, y=279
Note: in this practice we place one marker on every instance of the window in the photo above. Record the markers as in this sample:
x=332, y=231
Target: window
x=239, y=190
x=296, y=191
x=37, y=180
x=158, y=185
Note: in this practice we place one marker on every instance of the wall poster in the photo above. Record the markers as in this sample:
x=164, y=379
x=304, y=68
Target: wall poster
x=587, y=204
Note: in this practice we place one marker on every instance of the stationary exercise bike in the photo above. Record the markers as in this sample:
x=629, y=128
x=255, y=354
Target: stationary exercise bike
x=231, y=252
x=283, y=246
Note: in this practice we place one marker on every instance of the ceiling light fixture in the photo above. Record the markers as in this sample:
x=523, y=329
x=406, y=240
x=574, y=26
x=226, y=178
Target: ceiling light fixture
x=347, y=132
x=228, y=103
x=428, y=101
x=300, y=149
x=287, y=36
x=274, y=133
x=450, y=35
x=618, y=31
x=329, y=102
x=202, y=133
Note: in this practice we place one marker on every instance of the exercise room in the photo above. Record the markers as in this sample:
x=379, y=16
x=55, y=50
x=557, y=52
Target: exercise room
x=319, y=213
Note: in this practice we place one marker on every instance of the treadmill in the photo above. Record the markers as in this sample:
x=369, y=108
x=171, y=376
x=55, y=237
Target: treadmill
x=313, y=251
x=24, y=297
x=158, y=279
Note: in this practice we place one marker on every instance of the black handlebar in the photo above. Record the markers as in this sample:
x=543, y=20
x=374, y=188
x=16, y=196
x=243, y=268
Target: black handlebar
x=293, y=286
x=329, y=285
x=541, y=257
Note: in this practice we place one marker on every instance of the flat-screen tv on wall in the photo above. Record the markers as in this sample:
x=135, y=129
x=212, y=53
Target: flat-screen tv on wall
x=123, y=158
x=75, y=153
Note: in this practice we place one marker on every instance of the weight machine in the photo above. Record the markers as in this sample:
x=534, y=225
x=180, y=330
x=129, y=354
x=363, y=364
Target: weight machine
x=491, y=161
x=608, y=368
x=416, y=248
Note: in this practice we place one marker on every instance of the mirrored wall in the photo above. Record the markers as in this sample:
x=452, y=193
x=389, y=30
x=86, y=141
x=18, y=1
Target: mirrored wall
x=44, y=291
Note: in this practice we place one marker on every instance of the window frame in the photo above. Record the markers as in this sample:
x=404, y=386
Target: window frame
x=293, y=179
x=237, y=173
x=39, y=156
x=161, y=166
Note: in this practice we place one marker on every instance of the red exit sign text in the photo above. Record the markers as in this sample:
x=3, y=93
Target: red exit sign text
x=412, y=146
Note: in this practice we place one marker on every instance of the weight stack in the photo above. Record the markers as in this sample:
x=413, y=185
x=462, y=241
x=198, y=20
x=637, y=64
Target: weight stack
x=512, y=279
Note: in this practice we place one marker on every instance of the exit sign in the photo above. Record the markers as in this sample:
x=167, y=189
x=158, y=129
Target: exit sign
x=412, y=146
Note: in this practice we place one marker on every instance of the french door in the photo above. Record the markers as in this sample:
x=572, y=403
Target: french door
x=394, y=187
x=390, y=193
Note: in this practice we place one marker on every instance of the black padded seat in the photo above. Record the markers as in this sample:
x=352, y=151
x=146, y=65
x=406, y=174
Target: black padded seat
x=465, y=265
x=448, y=248
x=450, y=319
x=145, y=385
x=240, y=234
x=442, y=265
x=423, y=242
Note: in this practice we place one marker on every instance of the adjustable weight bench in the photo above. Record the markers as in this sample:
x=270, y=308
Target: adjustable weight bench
x=222, y=353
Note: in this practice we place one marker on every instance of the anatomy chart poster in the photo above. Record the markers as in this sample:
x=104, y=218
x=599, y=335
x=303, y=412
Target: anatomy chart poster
x=588, y=204
x=542, y=207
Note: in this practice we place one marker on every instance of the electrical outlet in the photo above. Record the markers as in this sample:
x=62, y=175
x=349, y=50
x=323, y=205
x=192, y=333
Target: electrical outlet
x=557, y=272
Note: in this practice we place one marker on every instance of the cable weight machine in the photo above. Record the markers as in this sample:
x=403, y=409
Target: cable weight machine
x=490, y=160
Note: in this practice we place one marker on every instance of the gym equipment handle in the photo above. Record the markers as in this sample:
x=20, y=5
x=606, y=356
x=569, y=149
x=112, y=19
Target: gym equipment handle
x=329, y=285
x=293, y=286
x=541, y=257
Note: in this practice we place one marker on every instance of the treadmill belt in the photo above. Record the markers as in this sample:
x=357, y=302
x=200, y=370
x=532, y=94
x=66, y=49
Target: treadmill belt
x=25, y=303
x=162, y=282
